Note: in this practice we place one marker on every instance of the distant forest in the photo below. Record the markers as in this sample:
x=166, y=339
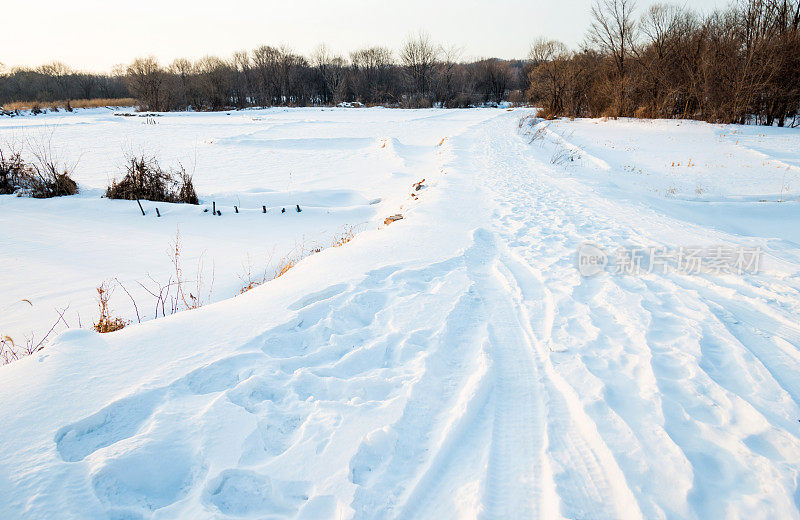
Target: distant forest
x=740, y=64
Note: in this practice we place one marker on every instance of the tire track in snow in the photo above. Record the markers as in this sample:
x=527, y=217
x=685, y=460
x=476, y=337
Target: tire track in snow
x=582, y=479
x=518, y=482
x=605, y=348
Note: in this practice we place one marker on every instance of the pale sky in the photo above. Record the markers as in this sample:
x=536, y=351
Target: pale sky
x=96, y=35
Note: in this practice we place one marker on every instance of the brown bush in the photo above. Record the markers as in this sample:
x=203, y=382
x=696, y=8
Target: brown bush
x=547, y=113
x=146, y=179
x=47, y=182
x=41, y=179
x=12, y=172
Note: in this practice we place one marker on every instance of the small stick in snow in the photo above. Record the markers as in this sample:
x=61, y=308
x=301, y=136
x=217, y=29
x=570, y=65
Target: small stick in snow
x=283, y=210
x=140, y=206
x=157, y=213
x=219, y=213
x=298, y=208
x=263, y=209
x=236, y=209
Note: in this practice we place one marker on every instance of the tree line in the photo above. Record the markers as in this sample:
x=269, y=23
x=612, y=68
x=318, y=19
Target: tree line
x=421, y=74
x=736, y=65
x=739, y=64
x=57, y=82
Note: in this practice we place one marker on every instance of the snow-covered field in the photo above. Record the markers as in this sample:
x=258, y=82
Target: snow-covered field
x=454, y=364
x=345, y=168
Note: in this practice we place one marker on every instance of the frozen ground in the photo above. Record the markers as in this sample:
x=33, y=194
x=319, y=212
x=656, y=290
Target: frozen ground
x=454, y=364
x=345, y=168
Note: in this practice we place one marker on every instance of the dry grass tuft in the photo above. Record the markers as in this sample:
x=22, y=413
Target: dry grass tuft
x=564, y=155
x=107, y=322
x=69, y=104
x=8, y=350
x=284, y=266
x=344, y=237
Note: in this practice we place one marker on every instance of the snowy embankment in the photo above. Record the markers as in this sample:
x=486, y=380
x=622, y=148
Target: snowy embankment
x=347, y=169
x=454, y=363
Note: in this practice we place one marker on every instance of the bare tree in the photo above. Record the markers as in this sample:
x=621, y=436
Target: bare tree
x=613, y=31
x=372, y=77
x=550, y=74
x=331, y=71
x=419, y=55
x=241, y=66
x=448, y=76
x=492, y=77
x=86, y=83
x=145, y=78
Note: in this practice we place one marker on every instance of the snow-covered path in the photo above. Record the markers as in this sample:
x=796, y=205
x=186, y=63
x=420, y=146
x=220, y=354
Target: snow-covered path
x=452, y=365
x=666, y=395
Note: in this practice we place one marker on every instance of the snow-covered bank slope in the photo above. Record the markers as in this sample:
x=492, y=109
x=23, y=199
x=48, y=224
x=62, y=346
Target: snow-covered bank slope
x=452, y=365
x=730, y=177
x=334, y=163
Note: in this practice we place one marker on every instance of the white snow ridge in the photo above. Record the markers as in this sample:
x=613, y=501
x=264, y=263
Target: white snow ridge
x=454, y=363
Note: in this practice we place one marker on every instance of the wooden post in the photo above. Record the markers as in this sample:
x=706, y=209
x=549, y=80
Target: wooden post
x=213, y=208
x=157, y=213
x=140, y=206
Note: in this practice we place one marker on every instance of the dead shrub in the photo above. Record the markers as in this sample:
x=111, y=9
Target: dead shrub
x=107, y=322
x=13, y=171
x=547, y=113
x=42, y=178
x=47, y=182
x=146, y=179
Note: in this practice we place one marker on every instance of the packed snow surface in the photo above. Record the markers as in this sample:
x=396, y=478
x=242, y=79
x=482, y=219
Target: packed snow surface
x=452, y=364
